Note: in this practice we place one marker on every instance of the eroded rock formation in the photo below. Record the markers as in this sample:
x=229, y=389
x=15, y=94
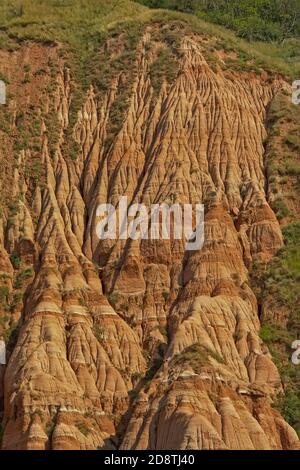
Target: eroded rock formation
x=134, y=344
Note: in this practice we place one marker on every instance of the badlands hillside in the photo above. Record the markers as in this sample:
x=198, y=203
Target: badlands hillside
x=140, y=344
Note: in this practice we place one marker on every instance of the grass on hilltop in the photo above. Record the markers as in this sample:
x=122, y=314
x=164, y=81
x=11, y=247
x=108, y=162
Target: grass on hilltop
x=84, y=24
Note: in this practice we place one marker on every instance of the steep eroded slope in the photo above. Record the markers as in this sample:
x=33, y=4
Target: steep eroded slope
x=136, y=344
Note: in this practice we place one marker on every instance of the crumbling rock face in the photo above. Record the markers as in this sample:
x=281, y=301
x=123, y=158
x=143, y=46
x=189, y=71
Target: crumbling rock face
x=105, y=327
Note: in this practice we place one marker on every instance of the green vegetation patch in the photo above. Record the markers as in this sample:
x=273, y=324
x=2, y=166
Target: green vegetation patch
x=196, y=356
x=283, y=155
x=277, y=285
x=260, y=20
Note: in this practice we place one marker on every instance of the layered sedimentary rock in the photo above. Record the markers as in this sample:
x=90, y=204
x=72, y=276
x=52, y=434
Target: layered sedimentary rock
x=139, y=344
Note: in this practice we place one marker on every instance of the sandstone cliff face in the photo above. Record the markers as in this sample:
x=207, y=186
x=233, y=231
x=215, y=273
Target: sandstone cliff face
x=133, y=344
